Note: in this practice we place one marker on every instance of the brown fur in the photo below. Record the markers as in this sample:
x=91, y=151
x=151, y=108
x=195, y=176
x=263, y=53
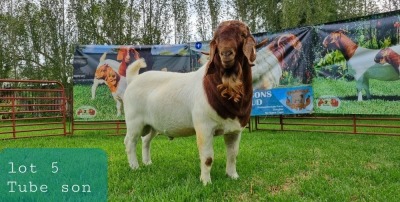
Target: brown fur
x=387, y=55
x=228, y=82
x=209, y=161
x=338, y=39
x=101, y=72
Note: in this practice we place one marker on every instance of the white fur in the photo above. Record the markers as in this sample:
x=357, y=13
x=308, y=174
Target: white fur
x=176, y=105
x=266, y=71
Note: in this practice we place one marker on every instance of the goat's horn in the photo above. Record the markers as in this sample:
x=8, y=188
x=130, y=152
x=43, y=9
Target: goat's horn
x=262, y=43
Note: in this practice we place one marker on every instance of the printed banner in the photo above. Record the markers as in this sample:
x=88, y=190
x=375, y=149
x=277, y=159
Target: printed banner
x=352, y=67
x=277, y=101
x=357, y=66
x=284, y=59
x=100, y=71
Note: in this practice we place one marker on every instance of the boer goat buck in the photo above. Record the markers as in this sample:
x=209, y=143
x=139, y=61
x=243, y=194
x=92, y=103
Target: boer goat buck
x=361, y=63
x=214, y=100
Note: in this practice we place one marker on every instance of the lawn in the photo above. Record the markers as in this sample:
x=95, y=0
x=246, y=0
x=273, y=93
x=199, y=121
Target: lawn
x=273, y=166
x=104, y=103
x=384, y=101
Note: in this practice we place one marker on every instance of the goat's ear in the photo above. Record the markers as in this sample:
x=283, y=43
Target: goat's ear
x=249, y=48
x=118, y=77
x=121, y=54
x=210, y=64
x=135, y=53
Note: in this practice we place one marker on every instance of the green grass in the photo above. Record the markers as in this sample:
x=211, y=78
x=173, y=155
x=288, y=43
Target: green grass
x=104, y=103
x=273, y=166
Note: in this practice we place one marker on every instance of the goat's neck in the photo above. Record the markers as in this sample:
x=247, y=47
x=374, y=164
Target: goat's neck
x=394, y=59
x=225, y=107
x=347, y=47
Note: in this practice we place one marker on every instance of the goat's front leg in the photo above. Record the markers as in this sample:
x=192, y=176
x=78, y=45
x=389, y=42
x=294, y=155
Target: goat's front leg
x=360, y=87
x=366, y=87
x=204, y=138
x=232, y=150
x=363, y=84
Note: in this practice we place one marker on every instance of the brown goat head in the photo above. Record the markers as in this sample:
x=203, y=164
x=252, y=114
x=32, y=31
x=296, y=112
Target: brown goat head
x=101, y=72
x=112, y=79
x=232, y=39
x=333, y=38
x=381, y=56
x=228, y=79
x=231, y=49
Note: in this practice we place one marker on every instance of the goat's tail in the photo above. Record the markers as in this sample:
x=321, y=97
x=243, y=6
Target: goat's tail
x=103, y=57
x=133, y=69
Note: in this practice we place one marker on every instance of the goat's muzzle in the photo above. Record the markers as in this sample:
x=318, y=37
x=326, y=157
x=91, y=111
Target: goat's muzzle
x=227, y=56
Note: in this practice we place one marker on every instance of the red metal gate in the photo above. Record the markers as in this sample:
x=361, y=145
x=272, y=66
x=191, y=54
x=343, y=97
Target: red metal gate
x=32, y=108
x=342, y=124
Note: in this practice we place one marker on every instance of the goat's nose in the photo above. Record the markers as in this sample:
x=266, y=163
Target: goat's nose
x=226, y=53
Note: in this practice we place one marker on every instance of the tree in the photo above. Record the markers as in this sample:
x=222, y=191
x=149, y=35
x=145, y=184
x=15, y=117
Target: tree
x=181, y=30
x=38, y=38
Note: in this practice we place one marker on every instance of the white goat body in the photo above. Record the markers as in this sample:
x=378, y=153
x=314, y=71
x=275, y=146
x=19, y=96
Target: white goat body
x=173, y=104
x=170, y=94
x=214, y=100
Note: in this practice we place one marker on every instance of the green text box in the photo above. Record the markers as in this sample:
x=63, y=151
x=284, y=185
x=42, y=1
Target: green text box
x=53, y=175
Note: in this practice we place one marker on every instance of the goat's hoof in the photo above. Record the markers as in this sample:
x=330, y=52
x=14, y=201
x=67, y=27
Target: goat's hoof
x=234, y=176
x=147, y=163
x=134, y=166
x=205, y=180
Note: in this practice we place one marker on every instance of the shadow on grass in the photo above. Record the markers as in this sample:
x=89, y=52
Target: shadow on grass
x=374, y=97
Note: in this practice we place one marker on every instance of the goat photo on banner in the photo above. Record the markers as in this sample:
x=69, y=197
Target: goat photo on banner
x=358, y=66
x=100, y=81
x=282, y=73
x=100, y=75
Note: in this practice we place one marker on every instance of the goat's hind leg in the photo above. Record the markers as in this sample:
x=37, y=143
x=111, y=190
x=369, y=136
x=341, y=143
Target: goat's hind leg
x=119, y=106
x=133, y=132
x=146, y=140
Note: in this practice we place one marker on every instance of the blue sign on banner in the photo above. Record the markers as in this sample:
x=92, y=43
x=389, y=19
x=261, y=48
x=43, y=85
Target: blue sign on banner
x=294, y=100
x=198, y=45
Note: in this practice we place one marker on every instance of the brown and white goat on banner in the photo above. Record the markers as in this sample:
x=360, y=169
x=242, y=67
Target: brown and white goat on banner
x=214, y=100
